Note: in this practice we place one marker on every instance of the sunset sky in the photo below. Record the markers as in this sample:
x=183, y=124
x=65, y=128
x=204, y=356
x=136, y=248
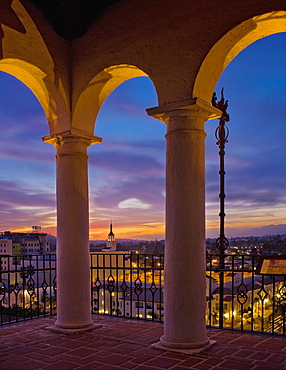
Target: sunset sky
x=127, y=171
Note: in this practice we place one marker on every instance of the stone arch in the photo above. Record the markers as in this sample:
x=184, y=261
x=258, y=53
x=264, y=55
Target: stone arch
x=96, y=91
x=45, y=91
x=231, y=44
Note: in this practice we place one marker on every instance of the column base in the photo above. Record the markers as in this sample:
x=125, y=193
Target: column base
x=72, y=329
x=187, y=348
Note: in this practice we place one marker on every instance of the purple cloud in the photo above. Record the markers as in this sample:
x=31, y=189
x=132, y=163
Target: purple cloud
x=18, y=195
x=125, y=163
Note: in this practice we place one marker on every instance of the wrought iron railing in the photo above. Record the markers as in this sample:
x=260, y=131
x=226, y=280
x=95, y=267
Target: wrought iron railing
x=132, y=286
x=251, y=302
x=128, y=285
x=27, y=287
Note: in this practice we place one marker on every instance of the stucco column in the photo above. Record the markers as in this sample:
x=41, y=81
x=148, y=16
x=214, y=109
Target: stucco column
x=185, y=265
x=73, y=257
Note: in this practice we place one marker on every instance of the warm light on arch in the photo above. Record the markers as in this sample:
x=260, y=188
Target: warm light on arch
x=232, y=43
x=97, y=90
x=36, y=80
x=30, y=75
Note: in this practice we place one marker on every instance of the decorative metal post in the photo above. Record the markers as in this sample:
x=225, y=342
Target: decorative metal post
x=221, y=135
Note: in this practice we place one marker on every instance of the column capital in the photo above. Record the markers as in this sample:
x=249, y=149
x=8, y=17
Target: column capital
x=71, y=136
x=192, y=106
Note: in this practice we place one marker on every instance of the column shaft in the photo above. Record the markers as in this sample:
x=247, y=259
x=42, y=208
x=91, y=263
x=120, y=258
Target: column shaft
x=73, y=256
x=73, y=261
x=185, y=265
x=185, y=268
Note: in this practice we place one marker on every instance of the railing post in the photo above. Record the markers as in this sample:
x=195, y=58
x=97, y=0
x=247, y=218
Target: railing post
x=221, y=135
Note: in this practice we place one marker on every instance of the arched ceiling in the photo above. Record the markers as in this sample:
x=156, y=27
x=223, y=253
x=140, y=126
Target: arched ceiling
x=71, y=18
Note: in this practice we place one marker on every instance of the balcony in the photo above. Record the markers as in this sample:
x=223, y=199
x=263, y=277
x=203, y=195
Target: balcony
x=125, y=344
x=127, y=293
x=131, y=286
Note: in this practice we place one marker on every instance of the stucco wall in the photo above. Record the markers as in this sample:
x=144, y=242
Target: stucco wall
x=170, y=41
x=166, y=39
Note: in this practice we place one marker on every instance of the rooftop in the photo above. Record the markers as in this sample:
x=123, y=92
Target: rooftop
x=125, y=344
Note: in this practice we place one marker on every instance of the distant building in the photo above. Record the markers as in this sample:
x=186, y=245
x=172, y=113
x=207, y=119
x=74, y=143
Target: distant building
x=6, y=247
x=23, y=244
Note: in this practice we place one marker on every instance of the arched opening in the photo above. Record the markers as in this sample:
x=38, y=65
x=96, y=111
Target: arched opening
x=30, y=75
x=219, y=57
x=127, y=170
x=53, y=101
x=96, y=91
x=255, y=84
x=26, y=164
x=232, y=44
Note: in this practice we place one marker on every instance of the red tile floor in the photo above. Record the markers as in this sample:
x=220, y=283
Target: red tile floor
x=125, y=344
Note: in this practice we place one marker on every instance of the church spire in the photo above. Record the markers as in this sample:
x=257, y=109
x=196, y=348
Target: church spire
x=111, y=241
x=111, y=236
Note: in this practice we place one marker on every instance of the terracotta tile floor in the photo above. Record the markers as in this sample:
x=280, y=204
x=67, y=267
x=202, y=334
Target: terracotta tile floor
x=124, y=344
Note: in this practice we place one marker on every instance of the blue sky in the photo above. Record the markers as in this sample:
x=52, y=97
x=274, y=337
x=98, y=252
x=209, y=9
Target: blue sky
x=127, y=170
